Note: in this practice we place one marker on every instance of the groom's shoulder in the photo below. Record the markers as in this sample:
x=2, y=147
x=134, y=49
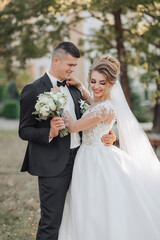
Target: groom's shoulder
x=35, y=83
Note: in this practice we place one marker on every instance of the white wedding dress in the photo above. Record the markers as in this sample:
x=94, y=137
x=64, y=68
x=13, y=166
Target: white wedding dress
x=107, y=199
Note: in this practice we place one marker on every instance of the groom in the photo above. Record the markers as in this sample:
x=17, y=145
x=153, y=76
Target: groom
x=48, y=156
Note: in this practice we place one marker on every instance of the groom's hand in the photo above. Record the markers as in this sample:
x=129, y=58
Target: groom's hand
x=109, y=139
x=56, y=125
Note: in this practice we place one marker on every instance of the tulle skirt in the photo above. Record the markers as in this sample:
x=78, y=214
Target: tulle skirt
x=109, y=199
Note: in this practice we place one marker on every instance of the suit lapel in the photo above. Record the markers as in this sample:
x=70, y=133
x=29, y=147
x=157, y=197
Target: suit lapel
x=76, y=101
x=47, y=82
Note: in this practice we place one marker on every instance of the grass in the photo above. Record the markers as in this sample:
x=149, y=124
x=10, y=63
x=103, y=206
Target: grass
x=19, y=200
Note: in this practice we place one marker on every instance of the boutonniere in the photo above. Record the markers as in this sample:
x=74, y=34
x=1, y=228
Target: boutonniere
x=83, y=106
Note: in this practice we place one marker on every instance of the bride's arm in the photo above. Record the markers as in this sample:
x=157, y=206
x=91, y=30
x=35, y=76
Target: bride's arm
x=87, y=121
x=85, y=93
x=107, y=139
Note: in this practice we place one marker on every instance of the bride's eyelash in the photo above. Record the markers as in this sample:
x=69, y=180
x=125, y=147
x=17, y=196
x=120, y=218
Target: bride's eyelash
x=102, y=83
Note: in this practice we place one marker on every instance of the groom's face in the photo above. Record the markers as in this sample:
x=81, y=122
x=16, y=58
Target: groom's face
x=65, y=66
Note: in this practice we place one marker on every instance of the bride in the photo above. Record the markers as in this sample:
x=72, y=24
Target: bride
x=114, y=193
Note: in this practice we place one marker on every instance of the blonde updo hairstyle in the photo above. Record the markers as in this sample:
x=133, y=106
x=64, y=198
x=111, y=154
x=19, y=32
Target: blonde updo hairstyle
x=108, y=66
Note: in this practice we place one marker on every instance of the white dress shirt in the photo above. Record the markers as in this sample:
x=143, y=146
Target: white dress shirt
x=75, y=138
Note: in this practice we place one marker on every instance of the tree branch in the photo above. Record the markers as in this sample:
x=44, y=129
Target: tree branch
x=141, y=36
x=147, y=13
x=89, y=35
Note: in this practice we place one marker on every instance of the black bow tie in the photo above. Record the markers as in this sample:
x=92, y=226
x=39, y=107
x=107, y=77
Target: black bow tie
x=63, y=83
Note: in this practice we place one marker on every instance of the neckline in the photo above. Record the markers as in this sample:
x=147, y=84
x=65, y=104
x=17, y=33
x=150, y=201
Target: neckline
x=96, y=103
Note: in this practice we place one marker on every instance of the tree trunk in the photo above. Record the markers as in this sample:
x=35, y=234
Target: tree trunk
x=122, y=55
x=156, y=120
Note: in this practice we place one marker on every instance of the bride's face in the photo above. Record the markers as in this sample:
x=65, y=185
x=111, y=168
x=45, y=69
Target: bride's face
x=99, y=86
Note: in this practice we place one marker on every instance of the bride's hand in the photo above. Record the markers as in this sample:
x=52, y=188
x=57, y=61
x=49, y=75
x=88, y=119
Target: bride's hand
x=73, y=81
x=109, y=139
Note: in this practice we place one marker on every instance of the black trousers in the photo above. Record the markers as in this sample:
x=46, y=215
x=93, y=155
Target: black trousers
x=52, y=192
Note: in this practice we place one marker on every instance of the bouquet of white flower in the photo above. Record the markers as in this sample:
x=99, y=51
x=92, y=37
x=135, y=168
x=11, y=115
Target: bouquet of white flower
x=83, y=106
x=51, y=104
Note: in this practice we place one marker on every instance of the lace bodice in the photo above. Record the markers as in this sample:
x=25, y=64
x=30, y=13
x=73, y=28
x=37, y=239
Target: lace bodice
x=92, y=135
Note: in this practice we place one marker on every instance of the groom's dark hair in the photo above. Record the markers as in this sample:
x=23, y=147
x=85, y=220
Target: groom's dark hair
x=66, y=48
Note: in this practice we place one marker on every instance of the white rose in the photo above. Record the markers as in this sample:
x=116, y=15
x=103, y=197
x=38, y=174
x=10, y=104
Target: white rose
x=38, y=106
x=51, y=94
x=62, y=101
x=54, y=96
x=52, y=105
x=40, y=97
x=44, y=100
x=45, y=114
x=44, y=110
x=59, y=95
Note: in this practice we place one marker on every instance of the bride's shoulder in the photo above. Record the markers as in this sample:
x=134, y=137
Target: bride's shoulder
x=106, y=106
x=107, y=103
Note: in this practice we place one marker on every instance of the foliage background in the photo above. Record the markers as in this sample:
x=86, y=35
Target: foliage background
x=128, y=30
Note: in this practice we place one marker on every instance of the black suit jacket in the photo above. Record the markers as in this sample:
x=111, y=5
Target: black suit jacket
x=43, y=158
